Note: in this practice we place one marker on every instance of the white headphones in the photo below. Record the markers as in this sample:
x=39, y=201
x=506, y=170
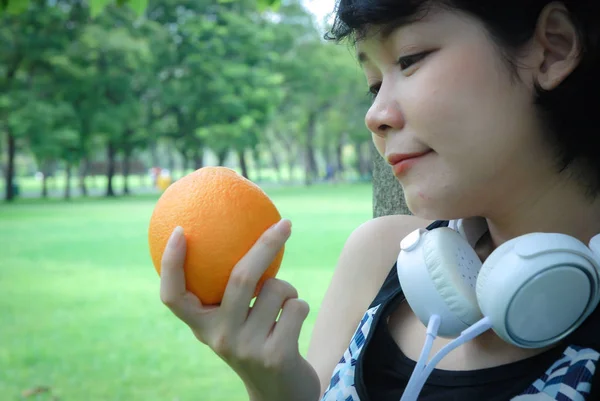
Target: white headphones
x=534, y=289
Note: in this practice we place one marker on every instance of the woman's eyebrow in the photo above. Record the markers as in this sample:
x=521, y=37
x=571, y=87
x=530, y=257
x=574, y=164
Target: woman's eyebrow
x=386, y=31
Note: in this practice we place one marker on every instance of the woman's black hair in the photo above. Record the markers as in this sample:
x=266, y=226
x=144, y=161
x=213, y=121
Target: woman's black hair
x=570, y=110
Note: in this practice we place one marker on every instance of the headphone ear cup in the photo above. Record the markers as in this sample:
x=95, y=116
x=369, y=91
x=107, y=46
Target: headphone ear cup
x=454, y=267
x=488, y=266
x=439, y=277
x=537, y=288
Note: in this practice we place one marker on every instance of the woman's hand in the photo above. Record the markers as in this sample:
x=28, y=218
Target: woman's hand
x=262, y=350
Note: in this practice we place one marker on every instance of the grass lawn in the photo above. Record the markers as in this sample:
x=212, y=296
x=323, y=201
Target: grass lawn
x=79, y=306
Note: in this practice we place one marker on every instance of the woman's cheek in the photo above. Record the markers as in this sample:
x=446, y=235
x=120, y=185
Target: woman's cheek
x=379, y=143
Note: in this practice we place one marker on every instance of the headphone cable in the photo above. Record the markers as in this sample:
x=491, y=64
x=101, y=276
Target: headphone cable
x=422, y=369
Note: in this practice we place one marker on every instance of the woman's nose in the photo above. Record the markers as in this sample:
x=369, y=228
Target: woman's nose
x=384, y=115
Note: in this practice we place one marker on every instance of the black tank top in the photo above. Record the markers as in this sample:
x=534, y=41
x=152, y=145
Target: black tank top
x=375, y=369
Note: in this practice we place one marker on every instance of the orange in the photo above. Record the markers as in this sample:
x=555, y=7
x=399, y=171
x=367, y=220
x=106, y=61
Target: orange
x=222, y=214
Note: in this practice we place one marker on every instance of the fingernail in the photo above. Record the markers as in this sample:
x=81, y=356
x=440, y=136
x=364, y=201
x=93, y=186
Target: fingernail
x=176, y=237
x=284, y=226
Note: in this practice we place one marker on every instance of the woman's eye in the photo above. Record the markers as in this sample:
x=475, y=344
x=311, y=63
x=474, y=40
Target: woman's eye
x=407, y=61
x=404, y=63
x=374, y=90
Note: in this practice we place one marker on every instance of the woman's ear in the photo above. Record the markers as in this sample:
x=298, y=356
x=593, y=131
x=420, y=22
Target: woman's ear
x=559, y=46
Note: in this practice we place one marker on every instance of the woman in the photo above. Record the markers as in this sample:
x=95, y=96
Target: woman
x=491, y=103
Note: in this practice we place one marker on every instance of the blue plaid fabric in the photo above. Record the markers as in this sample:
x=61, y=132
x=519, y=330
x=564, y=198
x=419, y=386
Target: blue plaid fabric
x=568, y=379
x=341, y=387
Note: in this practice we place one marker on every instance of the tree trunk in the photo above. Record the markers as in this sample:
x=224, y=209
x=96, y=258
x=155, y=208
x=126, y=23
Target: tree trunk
x=185, y=161
x=44, y=186
x=111, y=155
x=359, y=159
x=126, y=171
x=363, y=164
x=45, y=174
x=288, y=144
x=275, y=162
x=10, y=166
x=68, y=181
x=52, y=166
x=291, y=163
x=339, y=156
x=221, y=156
x=243, y=163
x=310, y=162
x=388, y=197
x=83, y=172
x=11, y=148
x=330, y=163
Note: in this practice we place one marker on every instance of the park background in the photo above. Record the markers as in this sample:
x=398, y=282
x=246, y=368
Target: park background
x=98, y=101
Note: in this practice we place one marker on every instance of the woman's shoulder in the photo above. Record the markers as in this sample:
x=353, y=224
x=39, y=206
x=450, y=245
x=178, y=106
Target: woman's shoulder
x=371, y=251
x=383, y=233
x=363, y=265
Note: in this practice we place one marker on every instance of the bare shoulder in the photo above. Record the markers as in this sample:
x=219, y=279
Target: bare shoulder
x=364, y=263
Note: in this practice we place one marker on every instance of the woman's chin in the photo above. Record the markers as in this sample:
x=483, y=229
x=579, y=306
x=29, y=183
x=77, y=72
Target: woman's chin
x=428, y=206
x=420, y=205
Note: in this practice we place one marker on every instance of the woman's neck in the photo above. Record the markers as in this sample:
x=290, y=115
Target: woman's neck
x=559, y=208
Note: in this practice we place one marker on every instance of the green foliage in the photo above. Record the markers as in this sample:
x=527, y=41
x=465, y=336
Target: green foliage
x=98, y=6
x=195, y=74
x=14, y=6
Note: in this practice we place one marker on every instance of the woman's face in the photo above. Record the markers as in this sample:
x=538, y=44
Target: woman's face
x=442, y=88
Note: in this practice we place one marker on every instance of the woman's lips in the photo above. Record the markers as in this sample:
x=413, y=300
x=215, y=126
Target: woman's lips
x=402, y=162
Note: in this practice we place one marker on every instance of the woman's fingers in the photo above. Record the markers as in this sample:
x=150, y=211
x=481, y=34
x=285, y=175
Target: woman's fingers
x=271, y=299
x=234, y=315
x=246, y=274
x=287, y=330
x=172, y=275
x=173, y=292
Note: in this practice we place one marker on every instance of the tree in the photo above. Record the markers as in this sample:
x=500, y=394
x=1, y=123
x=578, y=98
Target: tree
x=16, y=6
x=113, y=57
x=189, y=74
x=245, y=90
x=315, y=78
x=27, y=42
x=388, y=196
x=96, y=6
x=217, y=81
x=344, y=124
x=51, y=129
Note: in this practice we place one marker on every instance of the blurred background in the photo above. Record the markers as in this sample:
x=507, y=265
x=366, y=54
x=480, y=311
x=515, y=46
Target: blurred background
x=103, y=104
x=102, y=101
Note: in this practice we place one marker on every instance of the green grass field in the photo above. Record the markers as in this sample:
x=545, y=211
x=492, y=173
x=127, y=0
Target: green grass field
x=79, y=305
